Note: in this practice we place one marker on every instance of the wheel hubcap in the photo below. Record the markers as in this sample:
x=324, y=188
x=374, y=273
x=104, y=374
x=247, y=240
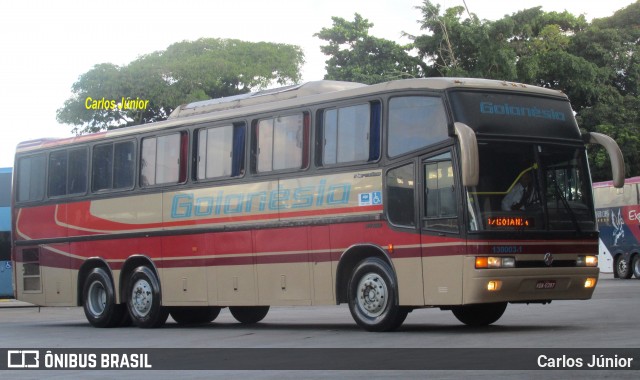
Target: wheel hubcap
x=372, y=295
x=97, y=298
x=142, y=298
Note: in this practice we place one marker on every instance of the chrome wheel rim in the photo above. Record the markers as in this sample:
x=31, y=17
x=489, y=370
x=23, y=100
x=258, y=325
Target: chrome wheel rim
x=142, y=298
x=372, y=295
x=622, y=266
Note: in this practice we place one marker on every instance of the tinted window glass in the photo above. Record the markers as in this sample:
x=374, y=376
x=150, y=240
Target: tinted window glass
x=102, y=167
x=58, y=173
x=400, y=195
x=346, y=134
x=221, y=151
x=441, y=209
x=31, y=178
x=161, y=160
x=124, y=165
x=415, y=122
x=281, y=143
x=77, y=174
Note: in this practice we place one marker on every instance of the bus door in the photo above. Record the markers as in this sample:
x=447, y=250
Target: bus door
x=443, y=247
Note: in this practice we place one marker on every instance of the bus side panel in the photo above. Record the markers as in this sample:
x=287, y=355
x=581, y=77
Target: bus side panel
x=282, y=262
x=322, y=270
x=231, y=274
x=442, y=262
x=184, y=271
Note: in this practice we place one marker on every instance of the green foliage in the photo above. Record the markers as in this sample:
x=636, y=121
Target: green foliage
x=356, y=56
x=185, y=72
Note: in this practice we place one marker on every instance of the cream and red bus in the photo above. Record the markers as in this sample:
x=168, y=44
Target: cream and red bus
x=385, y=197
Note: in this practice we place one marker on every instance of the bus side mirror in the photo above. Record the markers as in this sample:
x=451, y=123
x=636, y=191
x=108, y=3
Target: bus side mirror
x=614, y=152
x=468, y=154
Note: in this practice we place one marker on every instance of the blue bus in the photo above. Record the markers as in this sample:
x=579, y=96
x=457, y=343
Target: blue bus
x=618, y=216
x=6, y=287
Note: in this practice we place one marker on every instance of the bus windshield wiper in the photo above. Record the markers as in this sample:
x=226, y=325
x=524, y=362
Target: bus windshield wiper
x=566, y=205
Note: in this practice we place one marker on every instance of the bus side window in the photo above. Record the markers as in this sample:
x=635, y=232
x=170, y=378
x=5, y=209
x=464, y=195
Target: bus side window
x=163, y=159
x=415, y=122
x=350, y=134
x=31, y=178
x=57, y=173
x=400, y=196
x=77, y=173
x=281, y=143
x=220, y=151
x=441, y=211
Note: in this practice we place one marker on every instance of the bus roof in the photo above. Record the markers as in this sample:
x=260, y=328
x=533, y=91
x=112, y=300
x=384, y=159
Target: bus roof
x=288, y=97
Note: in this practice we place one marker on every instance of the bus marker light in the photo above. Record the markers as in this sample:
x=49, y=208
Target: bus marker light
x=482, y=262
x=590, y=283
x=390, y=248
x=494, y=285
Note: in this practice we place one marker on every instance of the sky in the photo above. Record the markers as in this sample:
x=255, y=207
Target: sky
x=47, y=45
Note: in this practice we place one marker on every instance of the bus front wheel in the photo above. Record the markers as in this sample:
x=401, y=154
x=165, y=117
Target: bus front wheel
x=623, y=269
x=249, y=314
x=373, y=299
x=480, y=314
x=144, y=302
x=99, y=301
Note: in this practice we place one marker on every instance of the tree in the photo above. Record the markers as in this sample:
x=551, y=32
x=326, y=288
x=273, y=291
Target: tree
x=358, y=57
x=185, y=72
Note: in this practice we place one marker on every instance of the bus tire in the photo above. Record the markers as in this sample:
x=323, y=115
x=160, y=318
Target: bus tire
x=144, y=299
x=479, y=314
x=636, y=266
x=623, y=269
x=193, y=315
x=249, y=314
x=99, y=301
x=372, y=296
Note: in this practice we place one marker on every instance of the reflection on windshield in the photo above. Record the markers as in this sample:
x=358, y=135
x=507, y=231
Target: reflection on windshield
x=531, y=187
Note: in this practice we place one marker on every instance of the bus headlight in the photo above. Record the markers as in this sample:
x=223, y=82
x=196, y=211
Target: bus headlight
x=587, y=261
x=484, y=262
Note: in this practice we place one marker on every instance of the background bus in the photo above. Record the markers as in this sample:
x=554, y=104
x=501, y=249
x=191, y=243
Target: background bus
x=618, y=215
x=6, y=274
x=386, y=197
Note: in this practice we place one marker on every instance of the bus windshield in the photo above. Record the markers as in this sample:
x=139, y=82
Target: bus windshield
x=531, y=187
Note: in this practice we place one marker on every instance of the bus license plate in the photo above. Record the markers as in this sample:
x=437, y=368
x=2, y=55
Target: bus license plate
x=546, y=284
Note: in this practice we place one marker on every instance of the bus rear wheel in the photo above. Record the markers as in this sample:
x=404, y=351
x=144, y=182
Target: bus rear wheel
x=372, y=297
x=144, y=302
x=249, y=314
x=480, y=314
x=636, y=266
x=194, y=315
x=99, y=301
x=623, y=269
